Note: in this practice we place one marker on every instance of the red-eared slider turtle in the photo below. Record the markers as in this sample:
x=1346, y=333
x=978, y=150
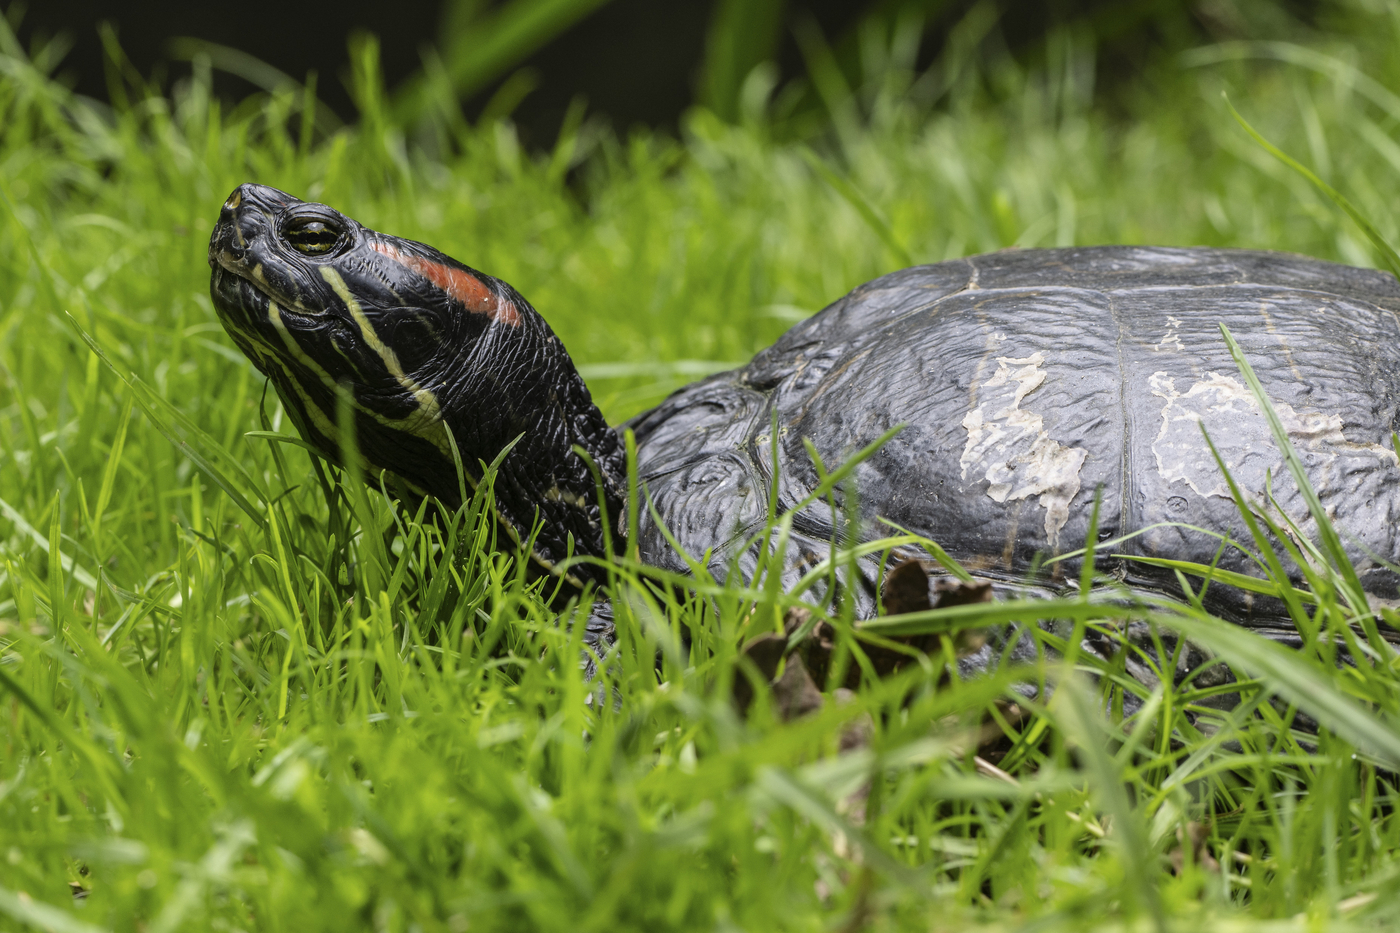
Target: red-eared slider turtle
x=1027, y=380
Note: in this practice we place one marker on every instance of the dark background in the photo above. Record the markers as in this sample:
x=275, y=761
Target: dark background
x=634, y=61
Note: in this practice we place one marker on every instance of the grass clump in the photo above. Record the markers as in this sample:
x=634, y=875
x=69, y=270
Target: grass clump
x=241, y=692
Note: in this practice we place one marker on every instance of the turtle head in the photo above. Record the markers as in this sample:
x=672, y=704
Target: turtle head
x=301, y=285
x=428, y=353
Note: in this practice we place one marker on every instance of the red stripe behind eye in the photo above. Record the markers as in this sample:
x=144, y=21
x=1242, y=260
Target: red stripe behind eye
x=465, y=288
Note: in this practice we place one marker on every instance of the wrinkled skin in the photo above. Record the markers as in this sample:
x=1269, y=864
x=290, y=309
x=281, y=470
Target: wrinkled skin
x=1025, y=381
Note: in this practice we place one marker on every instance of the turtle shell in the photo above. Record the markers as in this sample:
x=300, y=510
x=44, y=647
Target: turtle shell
x=1027, y=382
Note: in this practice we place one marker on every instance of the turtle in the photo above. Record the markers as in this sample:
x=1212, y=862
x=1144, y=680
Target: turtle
x=1027, y=386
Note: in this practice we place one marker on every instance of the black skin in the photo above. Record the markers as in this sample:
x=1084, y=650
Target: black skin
x=498, y=373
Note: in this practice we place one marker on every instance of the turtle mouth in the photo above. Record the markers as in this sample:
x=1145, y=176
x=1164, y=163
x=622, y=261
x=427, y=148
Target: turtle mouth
x=233, y=292
x=223, y=258
x=236, y=280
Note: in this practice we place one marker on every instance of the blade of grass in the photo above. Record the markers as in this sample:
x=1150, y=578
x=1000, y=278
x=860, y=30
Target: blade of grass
x=1084, y=725
x=852, y=196
x=742, y=34
x=203, y=453
x=1345, y=74
x=482, y=47
x=39, y=915
x=33, y=534
x=1331, y=543
x=1387, y=252
x=1292, y=677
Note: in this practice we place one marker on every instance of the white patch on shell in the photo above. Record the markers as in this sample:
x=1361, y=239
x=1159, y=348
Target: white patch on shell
x=1171, y=341
x=1241, y=434
x=1010, y=448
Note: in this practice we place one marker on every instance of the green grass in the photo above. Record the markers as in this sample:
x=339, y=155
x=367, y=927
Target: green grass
x=237, y=693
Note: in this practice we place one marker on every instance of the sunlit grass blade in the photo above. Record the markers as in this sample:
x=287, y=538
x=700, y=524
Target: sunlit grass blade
x=256, y=72
x=852, y=196
x=1296, y=679
x=1387, y=252
x=785, y=789
x=38, y=915
x=1083, y=725
x=66, y=561
x=1344, y=73
x=1242, y=581
x=1330, y=541
x=105, y=768
x=205, y=452
x=742, y=34
x=478, y=45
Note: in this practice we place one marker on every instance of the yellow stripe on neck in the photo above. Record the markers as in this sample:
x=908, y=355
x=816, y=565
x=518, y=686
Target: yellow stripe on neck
x=432, y=430
x=425, y=424
x=426, y=400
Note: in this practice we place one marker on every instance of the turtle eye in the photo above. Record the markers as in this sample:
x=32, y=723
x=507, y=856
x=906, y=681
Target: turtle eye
x=312, y=236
